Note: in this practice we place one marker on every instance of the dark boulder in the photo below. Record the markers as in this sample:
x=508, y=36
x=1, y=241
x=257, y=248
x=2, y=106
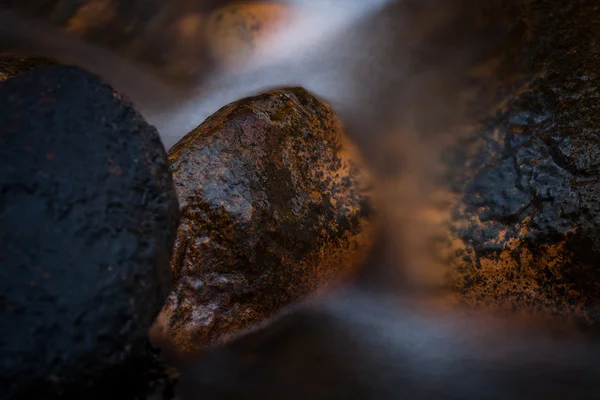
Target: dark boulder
x=88, y=217
x=526, y=223
x=275, y=205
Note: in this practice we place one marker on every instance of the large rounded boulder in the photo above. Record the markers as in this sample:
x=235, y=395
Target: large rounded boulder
x=275, y=205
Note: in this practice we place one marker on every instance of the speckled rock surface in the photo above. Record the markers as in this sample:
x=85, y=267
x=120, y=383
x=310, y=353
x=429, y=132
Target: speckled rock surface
x=526, y=221
x=88, y=217
x=275, y=204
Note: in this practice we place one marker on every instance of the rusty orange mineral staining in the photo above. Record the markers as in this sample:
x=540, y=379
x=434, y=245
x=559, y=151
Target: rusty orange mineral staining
x=275, y=206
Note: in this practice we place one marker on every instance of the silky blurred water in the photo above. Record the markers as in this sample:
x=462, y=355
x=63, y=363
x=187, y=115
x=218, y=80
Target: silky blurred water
x=397, y=72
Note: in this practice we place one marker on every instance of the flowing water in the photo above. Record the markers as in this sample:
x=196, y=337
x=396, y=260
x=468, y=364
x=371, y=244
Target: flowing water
x=407, y=79
x=399, y=73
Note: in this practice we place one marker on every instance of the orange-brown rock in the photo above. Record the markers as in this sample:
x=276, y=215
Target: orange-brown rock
x=275, y=205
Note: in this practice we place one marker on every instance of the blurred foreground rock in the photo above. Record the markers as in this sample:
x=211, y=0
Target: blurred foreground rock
x=275, y=205
x=88, y=217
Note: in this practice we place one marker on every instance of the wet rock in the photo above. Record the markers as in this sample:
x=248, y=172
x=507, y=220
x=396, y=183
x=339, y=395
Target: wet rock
x=275, y=204
x=526, y=222
x=88, y=217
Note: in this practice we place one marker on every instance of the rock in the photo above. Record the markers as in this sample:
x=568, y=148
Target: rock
x=525, y=229
x=88, y=217
x=12, y=65
x=275, y=205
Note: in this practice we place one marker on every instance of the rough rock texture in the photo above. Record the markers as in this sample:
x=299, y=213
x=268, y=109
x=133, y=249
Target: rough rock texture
x=88, y=217
x=526, y=223
x=275, y=204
